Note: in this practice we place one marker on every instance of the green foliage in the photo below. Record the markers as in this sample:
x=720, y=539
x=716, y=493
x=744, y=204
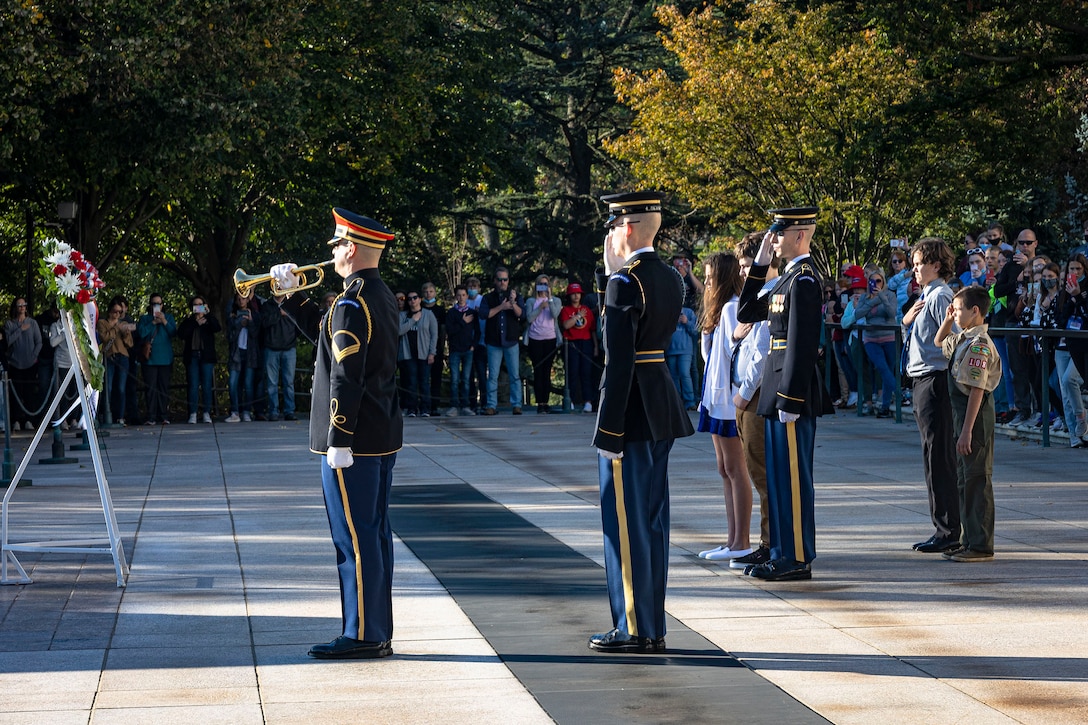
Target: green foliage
x=889, y=133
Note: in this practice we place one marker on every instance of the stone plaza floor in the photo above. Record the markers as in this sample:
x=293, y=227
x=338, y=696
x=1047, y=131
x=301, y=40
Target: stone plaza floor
x=498, y=585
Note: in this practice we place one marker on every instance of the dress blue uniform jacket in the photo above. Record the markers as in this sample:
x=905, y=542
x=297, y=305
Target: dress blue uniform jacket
x=791, y=377
x=639, y=401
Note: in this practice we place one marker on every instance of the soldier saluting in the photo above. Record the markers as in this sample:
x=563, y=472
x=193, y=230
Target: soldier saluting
x=792, y=393
x=639, y=417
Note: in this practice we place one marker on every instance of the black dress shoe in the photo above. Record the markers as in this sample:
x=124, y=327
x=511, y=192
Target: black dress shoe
x=782, y=570
x=290, y=416
x=617, y=641
x=938, y=544
x=346, y=648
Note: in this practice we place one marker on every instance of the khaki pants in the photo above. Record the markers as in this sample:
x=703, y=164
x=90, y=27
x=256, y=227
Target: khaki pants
x=751, y=430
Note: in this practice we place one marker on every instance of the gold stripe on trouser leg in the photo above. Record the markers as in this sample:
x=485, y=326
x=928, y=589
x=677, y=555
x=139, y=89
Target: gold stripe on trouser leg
x=625, y=550
x=354, y=548
x=795, y=492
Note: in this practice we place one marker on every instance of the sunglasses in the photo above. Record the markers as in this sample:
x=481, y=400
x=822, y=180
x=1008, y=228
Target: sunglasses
x=412, y=297
x=502, y=279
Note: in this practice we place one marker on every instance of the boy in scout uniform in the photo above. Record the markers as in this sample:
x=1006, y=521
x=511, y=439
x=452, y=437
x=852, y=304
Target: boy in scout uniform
x=974, y=372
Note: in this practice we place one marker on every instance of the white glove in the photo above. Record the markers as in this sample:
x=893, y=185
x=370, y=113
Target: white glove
x=610, y=455
x=612, y=262
x=339, y=457
x=785, y=417
x=284, y=275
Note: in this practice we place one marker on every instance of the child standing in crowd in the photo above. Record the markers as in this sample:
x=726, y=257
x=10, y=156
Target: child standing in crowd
x=974, y=372
x=463, y=335
x=717, y=413
x=678, y=356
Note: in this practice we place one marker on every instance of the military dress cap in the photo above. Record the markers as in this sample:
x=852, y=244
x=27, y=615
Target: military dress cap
x=635, y=202
x=359, y=229
x=793, y=216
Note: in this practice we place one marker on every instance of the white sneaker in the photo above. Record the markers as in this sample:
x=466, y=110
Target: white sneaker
x=16, y=426
x=192, y=419
x=852, y=399
x=247, y=418
x=726, y=554
x=588, y=407
x=207, y=418
x=233, y=418
x=1058, y=427
x=716, y=550
x=451, y=412
x=468, y=411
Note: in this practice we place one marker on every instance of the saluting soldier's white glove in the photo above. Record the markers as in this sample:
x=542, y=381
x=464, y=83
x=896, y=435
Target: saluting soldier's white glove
x=610, y=455
x=785, y=417
x=339, y=457
x=284, y=275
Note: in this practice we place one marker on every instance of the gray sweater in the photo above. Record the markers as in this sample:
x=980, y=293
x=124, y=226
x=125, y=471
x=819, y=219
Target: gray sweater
x=427, y=327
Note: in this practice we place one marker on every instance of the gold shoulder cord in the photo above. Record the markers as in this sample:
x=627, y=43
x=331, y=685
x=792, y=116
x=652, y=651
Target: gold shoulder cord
x=366, y=311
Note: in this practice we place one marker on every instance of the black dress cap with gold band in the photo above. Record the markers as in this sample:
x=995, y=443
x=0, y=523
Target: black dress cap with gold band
x=798, y=215
x=635, y=202
x=359, y=229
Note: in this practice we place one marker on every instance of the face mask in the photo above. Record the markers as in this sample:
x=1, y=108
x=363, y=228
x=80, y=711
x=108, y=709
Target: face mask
x=1050, y=283
x=429, y=301
x=976, y=269
x=472, y=293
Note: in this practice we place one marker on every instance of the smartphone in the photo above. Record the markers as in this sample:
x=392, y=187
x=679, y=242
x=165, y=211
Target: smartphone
x=155, y=309
x=1071, y=280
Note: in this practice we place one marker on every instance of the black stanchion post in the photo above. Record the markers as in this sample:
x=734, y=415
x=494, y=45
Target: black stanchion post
x=8, y=471
x=57, y=450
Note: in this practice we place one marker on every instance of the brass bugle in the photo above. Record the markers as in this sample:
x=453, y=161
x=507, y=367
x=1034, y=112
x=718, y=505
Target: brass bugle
x=244, y=283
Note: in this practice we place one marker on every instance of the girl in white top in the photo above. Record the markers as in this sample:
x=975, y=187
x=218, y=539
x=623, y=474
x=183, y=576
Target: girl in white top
x=717, y=414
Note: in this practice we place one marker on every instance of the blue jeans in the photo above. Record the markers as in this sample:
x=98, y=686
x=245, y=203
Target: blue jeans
x=116, y=380
x=495, y=357
x=680, y=367
x=415, y=380
x=460, y=371
x=1069, y=382
x=842, y=355
x=243, y=404
x=882, y=355
x=280, y=373
x=200, y=376
x=1006, y=372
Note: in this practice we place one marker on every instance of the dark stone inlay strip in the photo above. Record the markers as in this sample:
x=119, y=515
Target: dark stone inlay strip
x=537, y=601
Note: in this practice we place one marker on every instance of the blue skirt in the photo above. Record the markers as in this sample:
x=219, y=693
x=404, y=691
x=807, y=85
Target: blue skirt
x=717, y=426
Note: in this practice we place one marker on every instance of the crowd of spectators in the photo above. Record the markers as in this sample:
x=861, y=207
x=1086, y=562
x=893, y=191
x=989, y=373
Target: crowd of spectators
x=1029, y=293
x=461, y=353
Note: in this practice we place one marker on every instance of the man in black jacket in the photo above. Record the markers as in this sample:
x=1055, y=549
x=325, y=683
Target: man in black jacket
x=502, y=311
x=1010, y=283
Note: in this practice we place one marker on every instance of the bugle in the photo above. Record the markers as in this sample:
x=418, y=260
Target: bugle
x=244, y=283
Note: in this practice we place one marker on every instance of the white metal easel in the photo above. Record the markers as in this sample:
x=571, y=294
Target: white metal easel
x=111, y=545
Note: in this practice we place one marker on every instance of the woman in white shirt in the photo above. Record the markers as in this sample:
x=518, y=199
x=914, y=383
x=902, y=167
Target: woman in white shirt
x=717, y=414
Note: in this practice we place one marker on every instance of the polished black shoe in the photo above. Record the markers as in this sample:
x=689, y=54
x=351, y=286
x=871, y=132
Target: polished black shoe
x=938, y=545
x=781, y=570
x=290, y=416
x=617, y=641
x=346, y=648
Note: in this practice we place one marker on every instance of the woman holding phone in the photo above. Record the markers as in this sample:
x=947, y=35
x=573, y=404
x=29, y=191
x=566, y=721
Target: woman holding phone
x=156, y=329
x=197, y=332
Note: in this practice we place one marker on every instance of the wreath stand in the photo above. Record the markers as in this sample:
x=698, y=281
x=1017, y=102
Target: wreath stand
x=111, y=545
